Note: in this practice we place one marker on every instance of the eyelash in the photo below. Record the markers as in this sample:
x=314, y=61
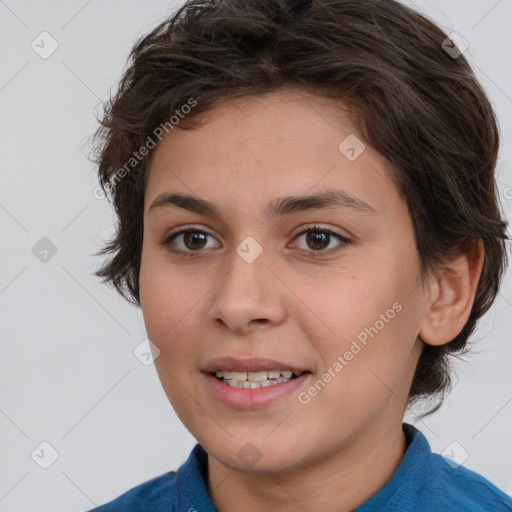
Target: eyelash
x=315, y=254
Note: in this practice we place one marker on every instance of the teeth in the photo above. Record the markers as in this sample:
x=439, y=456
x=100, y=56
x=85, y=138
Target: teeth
x=257, y=376
x=255, y=380
x=235, y=375
x=260, y=376
x=246, y=384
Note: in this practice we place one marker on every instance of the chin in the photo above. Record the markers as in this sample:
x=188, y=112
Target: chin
x=257, y=457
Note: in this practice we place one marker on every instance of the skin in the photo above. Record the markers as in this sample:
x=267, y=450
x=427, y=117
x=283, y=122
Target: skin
x=293, y=303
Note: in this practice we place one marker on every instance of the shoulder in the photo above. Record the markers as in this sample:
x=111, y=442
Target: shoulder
x=427, y=482
x=448, y=486
x=154, y=493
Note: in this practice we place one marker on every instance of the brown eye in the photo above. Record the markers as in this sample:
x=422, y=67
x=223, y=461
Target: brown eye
x=187, y=241
x=318, y=239
x=194, y=240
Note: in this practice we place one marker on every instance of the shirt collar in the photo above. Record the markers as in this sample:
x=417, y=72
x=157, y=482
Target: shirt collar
x=400, y=491
x=191, y=488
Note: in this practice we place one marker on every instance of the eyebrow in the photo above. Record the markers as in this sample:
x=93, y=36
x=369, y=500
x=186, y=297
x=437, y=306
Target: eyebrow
x=276, y=208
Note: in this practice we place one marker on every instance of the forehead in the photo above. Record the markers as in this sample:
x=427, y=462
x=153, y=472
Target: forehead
x=259, y=148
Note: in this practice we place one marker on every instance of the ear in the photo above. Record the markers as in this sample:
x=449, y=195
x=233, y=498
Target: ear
x=451, y=297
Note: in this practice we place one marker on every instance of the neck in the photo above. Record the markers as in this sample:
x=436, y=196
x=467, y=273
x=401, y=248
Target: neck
x=341, y=482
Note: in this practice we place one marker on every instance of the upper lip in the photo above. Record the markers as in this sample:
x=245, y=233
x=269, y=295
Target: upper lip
x=232, y=364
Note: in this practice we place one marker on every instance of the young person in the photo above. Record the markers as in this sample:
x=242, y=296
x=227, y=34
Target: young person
x=307, y=217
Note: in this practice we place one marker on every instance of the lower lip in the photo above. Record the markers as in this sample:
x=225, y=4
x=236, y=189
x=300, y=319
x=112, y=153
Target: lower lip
x=242, y=398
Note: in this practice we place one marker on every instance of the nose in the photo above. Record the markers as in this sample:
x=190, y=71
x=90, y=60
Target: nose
x=249, y=297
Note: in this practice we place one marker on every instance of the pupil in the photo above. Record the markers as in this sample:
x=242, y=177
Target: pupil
x=316, y=237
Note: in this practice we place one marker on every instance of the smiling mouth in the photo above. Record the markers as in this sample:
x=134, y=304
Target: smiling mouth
x=255, y=380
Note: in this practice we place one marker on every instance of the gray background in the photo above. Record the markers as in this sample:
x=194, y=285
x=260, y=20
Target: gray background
x=68, y=375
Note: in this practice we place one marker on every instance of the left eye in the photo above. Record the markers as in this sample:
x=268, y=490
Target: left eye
x=319, y=239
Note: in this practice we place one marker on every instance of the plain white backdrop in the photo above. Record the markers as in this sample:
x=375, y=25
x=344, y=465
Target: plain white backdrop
x=68, y=375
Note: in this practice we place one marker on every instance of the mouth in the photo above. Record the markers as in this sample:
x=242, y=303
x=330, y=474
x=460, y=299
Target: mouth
x=254, y=383
x=255, y=379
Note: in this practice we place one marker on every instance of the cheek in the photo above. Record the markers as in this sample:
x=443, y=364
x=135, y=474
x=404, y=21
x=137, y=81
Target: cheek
x=349, y=304
x=164, y=300
x=371, y=324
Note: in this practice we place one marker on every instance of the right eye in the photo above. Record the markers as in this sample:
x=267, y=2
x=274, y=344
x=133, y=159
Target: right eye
x=187, y=241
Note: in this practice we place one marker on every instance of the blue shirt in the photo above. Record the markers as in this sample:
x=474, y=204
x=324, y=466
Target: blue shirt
x=423, y=482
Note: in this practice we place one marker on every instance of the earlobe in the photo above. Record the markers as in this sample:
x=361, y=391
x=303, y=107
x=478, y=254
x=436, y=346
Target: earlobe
x=452, y=293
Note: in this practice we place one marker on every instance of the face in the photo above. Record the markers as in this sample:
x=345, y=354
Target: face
x=255, y=281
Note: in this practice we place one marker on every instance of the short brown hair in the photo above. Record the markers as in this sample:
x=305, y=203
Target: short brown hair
x=417, y=105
